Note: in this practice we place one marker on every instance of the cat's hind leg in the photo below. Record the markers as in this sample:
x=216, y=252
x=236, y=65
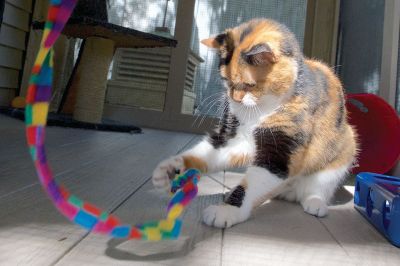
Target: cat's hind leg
x=315, y=191
x=251, y=192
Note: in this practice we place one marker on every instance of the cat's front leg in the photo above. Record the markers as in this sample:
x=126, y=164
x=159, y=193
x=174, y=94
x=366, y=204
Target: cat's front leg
x=198, y=157
x=254, y=189
x=165, y=171
x=208, y=157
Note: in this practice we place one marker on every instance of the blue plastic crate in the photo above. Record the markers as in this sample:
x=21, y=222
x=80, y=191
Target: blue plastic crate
x=377, y=198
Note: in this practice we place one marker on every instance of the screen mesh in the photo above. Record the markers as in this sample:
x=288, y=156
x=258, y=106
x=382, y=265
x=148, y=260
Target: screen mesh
x=360, y=45
x=143, y=15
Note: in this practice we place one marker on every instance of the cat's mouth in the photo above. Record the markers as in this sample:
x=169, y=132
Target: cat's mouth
x=249, y=100
x=244, y=97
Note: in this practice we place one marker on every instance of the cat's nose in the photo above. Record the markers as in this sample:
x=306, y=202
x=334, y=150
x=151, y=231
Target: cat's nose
x=237, y=95
x=249, y=86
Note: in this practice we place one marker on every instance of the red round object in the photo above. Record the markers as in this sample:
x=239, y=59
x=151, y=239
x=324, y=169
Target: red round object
x=378, y=128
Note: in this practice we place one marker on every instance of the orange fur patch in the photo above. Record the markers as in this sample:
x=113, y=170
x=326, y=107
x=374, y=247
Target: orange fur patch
x=195, y=162
x=239, y=160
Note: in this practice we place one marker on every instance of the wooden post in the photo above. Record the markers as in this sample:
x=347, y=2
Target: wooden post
x=61, y=49
x=95, y=63
x=179, y=58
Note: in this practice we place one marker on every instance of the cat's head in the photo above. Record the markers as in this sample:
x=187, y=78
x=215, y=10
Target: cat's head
x=257, y=59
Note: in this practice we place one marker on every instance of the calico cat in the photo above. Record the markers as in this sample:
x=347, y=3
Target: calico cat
x=286, y=123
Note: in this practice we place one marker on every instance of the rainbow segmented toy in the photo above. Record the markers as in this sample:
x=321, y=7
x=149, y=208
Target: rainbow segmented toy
x=83, y=213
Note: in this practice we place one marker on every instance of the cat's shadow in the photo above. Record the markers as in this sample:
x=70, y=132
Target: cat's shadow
x=274, y=220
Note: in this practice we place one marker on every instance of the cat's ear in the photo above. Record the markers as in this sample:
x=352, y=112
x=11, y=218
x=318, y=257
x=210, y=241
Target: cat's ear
x=210, y=43
x=261, y=54
x=214, y=42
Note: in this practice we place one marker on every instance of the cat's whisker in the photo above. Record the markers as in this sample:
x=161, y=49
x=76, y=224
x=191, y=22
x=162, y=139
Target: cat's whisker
x=254, y=111
x=243, y=112
x=276, y=146
x=240, y=112
x=260, y=115
x=222, y=105
x=223, y=111
x=205, y=102
x=273, y=137
x=209, y=109
x=202, y=115
x=210, y=96
x=258, y=110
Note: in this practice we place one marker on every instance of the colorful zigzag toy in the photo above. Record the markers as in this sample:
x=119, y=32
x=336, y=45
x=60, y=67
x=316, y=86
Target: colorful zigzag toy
x=82, y=213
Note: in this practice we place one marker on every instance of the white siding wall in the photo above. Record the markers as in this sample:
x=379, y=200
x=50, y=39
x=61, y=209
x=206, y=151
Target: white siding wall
x=13, y=34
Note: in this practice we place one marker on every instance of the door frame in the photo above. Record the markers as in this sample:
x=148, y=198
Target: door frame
x=2, y=6
x=390, y=49
x=321, y=31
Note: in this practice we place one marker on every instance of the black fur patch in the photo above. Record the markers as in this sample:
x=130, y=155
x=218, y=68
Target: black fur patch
x=224, y=61
x=287, y=48
x=245, y=33
x=318, y=94
x=289, y=45
x=226, y=131
x=302, y=79
x=236, y=197
x=340, y=115
x=228, y=48
x=274, y=148
x=312, y=85
x=221, y=38
x=322, y=80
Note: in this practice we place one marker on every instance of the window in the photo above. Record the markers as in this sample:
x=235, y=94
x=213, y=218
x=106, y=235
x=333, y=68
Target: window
x=138, y=78
x=143, y=15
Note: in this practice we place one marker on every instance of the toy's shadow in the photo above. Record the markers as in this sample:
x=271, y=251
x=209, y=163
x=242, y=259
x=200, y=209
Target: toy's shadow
x=194, y=231
x=148, y=251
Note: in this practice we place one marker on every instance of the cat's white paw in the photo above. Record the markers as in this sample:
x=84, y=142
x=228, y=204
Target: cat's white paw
x=165, y=171
x=316, y=206
x=222, y=216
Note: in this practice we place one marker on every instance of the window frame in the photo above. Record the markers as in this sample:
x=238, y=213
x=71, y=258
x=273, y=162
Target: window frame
x=390, y=49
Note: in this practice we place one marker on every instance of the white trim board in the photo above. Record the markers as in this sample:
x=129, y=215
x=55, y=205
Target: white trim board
x=390, y=48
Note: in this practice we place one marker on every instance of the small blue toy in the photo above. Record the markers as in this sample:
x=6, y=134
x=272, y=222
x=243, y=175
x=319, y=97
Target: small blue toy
x=377, y=198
